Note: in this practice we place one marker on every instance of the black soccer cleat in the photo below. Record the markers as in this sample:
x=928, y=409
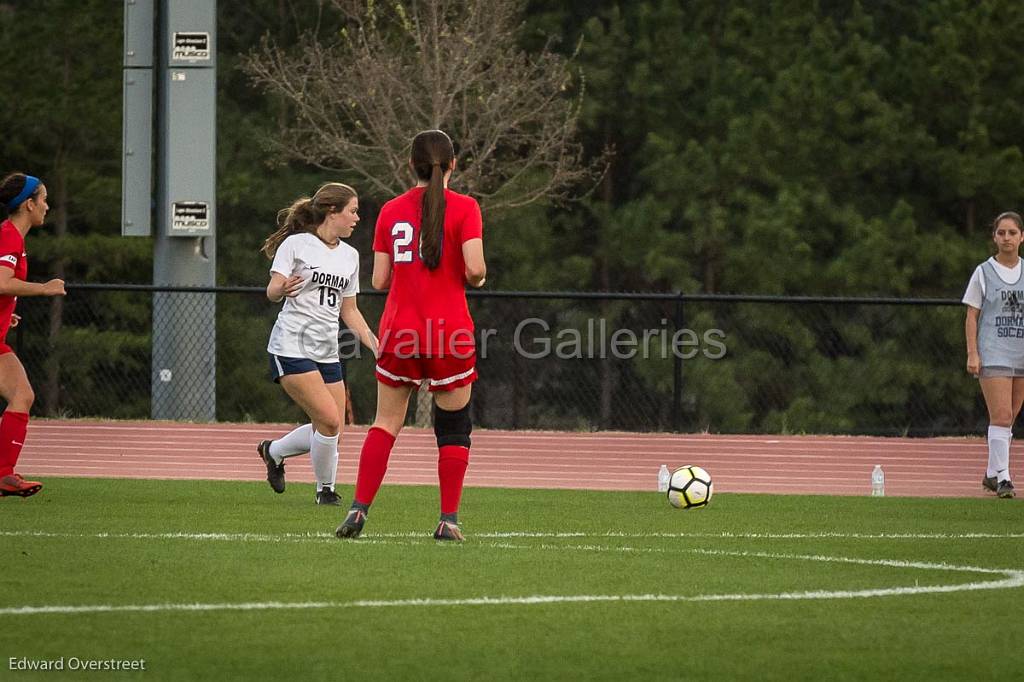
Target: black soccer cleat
x=1005, y=489
x=275, y=471
x=990, y=483
x=446, y=530
x=328, y=496
x=352, y=526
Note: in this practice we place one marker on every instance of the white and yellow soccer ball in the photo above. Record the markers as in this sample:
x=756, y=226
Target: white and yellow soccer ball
x=690, y=487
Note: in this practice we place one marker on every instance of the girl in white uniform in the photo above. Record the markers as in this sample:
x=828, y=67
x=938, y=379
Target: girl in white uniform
x=317, y=276
x=995, y=344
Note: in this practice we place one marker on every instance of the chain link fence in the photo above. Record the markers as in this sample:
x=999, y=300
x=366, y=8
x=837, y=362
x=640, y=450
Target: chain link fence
x=567, y=361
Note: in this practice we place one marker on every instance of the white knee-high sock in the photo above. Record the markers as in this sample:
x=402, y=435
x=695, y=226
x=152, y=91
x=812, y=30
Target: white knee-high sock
x=296, y=442
x=1010, y=445
x=324, y=452
x=999, y=452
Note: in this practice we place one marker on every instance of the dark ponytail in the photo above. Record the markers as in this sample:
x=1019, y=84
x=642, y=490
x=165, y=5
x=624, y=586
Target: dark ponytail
x=432, y=157
x=306, y=214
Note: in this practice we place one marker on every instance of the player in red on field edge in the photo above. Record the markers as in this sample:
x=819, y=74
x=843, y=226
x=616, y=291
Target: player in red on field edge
x=24, y=198
x=428, y=245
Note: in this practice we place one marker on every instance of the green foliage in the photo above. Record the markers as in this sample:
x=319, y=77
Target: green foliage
x=781, y=148
x=89, y=356
x=62, y=122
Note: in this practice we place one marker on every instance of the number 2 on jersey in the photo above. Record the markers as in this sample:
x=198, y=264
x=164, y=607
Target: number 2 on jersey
x=401, y=234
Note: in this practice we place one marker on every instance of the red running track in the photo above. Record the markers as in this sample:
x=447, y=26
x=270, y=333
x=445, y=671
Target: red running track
x=832, y=465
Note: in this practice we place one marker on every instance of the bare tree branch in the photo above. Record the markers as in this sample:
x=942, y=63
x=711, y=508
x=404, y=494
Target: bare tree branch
x=400, y=67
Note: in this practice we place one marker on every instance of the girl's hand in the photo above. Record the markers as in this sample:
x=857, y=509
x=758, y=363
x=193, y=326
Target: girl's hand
x=973, y=364
x=293, y=285
x=55, y=287
x=15, y=319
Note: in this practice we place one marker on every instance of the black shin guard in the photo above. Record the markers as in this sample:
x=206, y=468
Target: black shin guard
x=452, y=428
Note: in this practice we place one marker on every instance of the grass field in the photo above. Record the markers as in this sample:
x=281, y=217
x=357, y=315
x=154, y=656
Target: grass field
x=549, y=585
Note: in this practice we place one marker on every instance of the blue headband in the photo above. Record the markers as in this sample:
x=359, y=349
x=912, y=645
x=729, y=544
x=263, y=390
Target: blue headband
x=31, y=183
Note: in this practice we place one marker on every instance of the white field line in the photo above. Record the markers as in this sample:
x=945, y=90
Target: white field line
x=321, y=536
x=756, y=536
x=1011, y=579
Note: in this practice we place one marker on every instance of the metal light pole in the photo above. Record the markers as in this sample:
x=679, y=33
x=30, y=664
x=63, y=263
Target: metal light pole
x=183, y=68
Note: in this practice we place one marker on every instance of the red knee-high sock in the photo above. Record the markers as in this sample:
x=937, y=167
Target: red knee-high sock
x=451, y=472
x=373, y=463
x=13, y=427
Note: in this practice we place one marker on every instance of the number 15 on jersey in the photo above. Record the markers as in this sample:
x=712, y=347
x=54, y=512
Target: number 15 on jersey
x=329, y=297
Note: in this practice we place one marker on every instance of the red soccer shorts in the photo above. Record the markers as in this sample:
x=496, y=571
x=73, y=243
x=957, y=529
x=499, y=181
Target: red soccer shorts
x=441, y=373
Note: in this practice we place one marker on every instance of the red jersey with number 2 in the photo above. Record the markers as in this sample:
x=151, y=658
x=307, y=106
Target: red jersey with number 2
x=13, y=256
x=426, y=306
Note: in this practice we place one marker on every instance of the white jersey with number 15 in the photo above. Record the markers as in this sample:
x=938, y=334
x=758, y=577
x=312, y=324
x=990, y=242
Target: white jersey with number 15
x=307, y=326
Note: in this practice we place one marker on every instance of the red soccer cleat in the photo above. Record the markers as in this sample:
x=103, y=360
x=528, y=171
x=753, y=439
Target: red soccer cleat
x=14, y=484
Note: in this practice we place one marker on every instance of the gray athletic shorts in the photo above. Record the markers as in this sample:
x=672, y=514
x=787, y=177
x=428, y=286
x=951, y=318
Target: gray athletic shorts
x=995, y=371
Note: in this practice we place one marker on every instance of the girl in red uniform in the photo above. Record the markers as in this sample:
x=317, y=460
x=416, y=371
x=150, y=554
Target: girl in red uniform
x=24, y=197
x=428, y=245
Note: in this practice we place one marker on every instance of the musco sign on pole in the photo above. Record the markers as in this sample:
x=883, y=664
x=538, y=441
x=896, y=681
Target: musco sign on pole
x=190, y=216
x=191, y=47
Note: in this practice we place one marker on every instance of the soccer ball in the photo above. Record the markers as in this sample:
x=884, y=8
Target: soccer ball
x=690, y=488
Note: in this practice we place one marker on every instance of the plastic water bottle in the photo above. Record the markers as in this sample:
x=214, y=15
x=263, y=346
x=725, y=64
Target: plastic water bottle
x=663, y=478
x=877, y=482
